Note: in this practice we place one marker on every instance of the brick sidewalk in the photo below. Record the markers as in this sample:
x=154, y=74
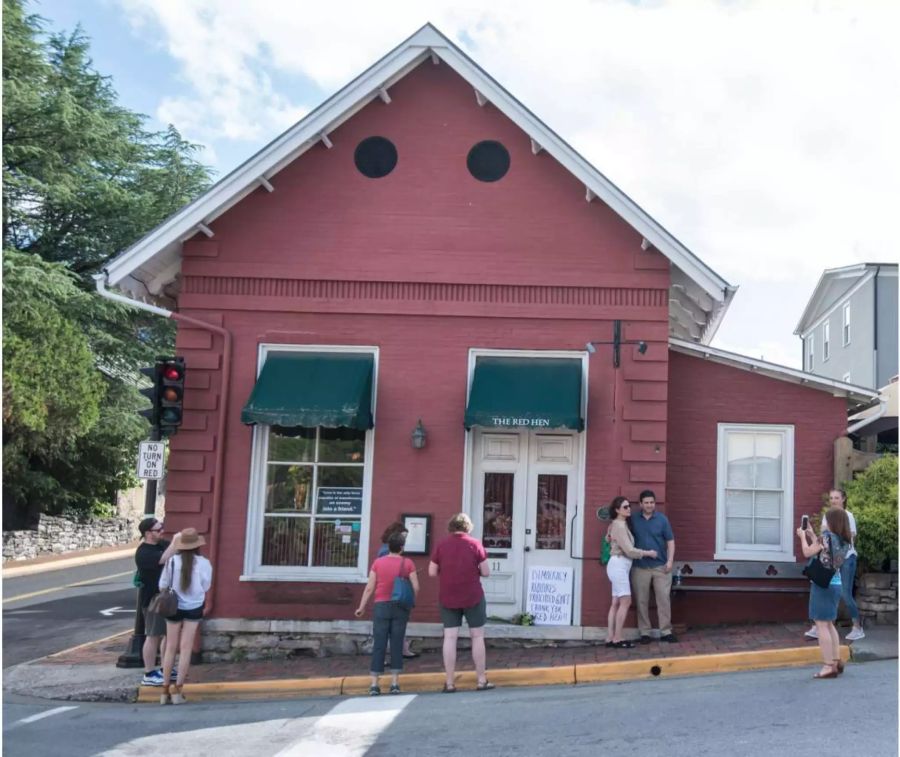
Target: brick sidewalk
x=699, y=641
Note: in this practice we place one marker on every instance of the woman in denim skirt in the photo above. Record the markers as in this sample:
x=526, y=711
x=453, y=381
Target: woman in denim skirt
x=831, y=548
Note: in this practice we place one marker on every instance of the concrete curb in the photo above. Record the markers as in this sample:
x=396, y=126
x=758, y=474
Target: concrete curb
x=628, y=670
x=67, y=562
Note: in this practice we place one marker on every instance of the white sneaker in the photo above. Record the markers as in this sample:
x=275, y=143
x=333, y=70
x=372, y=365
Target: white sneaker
x=812, y=633
x=855, y=634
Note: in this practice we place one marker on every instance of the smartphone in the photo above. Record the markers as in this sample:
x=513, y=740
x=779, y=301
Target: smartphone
x=804, y=522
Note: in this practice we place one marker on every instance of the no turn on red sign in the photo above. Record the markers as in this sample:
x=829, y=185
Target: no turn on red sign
x=151, y=460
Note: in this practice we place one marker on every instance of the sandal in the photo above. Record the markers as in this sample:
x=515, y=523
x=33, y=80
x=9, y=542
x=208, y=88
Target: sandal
x=410, y=655
x=395, y=688
x=624, y=645
x=610, y=643
x=449, y=688
x=486, y=686
x=832, y=672
x=374, y=691
x=839, y=666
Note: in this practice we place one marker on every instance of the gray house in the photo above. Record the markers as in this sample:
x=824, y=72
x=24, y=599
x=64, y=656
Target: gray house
x=849, y=326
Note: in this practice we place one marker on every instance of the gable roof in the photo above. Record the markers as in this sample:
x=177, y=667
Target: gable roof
x=149, y=268
x=836, y=284
x=855, y=395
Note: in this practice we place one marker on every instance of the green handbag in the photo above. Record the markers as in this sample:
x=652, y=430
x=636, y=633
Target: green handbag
x=605, y=551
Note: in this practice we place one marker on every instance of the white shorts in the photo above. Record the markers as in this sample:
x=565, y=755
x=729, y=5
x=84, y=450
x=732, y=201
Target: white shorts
x=618, y=571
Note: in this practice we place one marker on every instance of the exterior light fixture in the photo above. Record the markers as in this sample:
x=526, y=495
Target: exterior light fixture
x=419, y=436
x=616, y=342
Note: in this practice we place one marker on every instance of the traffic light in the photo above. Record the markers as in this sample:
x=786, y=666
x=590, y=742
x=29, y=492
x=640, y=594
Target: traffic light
x=152, y=394
x=166, y=395
x=171, y=395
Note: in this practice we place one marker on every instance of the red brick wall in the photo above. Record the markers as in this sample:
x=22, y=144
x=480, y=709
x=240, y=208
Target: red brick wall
x=425, y=263
x=703, y=394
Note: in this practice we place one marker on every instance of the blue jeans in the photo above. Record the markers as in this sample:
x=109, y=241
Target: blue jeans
x=389, y=622
x=848, y=573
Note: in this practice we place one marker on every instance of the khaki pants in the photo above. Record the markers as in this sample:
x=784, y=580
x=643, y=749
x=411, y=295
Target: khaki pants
x=641, y=580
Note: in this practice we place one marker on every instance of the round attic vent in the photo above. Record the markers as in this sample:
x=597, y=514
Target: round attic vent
x=375, y=157
x=488, y=161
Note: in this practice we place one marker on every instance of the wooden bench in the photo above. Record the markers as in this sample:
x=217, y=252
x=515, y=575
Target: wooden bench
x=695, y=575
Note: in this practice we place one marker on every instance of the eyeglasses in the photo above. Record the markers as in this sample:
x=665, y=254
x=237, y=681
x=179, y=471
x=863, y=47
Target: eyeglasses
x=157, y=530
x=624, y=507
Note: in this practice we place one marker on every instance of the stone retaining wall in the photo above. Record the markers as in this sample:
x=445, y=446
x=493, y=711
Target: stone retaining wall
x=55, y=536
x=236, y=639
x=876, y=597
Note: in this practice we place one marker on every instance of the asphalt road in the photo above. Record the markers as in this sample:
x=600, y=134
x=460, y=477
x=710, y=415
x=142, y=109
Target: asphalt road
x=48, y=612
x=774, y=713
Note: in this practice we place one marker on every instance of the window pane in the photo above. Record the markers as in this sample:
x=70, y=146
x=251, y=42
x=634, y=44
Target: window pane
x=768, y=461
x=342, y=445
x=498, y=510
x=340, y=476
x=767, y=531
x=285, y=541
x=336, y=546
x=740, y=461
x=738, y=530
x=552, y=493
x=738, y=504
x=768, y=505
x=288, y=488
x=292, y=445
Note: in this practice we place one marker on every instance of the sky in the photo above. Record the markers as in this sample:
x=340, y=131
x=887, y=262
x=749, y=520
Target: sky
x=763, y=134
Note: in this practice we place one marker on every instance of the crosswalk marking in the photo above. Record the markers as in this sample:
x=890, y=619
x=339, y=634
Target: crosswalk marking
x=350, y=728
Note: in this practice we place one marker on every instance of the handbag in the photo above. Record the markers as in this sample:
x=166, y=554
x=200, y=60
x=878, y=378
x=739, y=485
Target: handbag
x=817, y=572
x=165, y=603
x=402, y=592
x=605, y=551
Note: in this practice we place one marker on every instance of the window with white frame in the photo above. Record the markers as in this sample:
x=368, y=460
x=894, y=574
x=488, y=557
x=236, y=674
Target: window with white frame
x=310, y=499
x=826, y=340
x=754, y=512
x=811, y=343
x=313, y=497
x=846, y=322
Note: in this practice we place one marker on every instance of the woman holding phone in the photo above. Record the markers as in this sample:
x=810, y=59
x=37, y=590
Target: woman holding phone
x=831, y=548
x=622, y=552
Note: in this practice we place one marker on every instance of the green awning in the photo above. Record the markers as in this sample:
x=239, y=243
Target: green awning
x=526, y=392
x=329, y=389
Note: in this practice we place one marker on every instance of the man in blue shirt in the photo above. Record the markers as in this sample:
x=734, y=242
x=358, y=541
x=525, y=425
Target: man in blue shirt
x=653, y=531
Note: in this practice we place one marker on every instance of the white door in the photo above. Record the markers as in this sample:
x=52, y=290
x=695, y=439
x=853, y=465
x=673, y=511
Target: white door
x=523, y=508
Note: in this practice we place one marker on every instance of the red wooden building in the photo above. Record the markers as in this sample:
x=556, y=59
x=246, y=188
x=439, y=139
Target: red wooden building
x=421, y=248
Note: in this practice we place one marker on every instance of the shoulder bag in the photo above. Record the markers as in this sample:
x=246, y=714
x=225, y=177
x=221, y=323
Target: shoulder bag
x=403, y=593
x=165, y=603
x=816, y=570
x=605, y=549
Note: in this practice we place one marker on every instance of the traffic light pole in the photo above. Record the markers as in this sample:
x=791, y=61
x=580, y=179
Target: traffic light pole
x=133, y=656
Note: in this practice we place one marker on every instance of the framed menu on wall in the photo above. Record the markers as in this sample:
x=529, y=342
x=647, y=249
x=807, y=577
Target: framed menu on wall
x=418, y=537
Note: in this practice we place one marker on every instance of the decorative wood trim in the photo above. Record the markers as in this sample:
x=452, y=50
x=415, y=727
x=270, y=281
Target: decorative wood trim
x=425, y=292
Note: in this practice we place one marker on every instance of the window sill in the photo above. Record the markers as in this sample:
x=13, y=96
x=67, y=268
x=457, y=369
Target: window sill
x=755, y=556
x=306, y=577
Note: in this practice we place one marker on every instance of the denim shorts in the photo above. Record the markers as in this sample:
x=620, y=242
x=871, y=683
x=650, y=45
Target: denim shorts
x=193, y=616
x=476, y=616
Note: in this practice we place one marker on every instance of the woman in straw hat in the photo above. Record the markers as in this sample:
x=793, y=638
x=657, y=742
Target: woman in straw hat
x=189, y=575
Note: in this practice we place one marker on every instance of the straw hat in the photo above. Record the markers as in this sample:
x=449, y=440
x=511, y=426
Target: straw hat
x=190, y=539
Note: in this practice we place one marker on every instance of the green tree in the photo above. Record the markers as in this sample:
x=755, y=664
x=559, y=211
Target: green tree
x=82, y=180
x=872, y=498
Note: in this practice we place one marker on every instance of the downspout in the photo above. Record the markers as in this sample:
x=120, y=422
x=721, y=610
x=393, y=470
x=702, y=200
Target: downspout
x=875, y=328
x=101, y=279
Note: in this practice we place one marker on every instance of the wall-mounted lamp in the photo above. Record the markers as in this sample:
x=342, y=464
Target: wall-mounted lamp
x=418, y=435
x=616, y=342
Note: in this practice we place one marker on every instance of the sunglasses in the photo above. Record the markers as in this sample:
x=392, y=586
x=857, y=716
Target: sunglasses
x=624, y=507
x=156, y=530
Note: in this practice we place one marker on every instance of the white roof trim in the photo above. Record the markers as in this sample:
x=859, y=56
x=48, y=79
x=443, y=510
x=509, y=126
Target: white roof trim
x=854, y=394
x=165, y=240
x=845, y=272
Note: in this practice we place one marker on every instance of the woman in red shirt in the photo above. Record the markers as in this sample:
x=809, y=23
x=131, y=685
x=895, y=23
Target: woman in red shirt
x=389, y=619
x=460, y=561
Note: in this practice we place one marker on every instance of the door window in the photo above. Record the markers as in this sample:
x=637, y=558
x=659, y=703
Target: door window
x=498, y=510
x=552, y=495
